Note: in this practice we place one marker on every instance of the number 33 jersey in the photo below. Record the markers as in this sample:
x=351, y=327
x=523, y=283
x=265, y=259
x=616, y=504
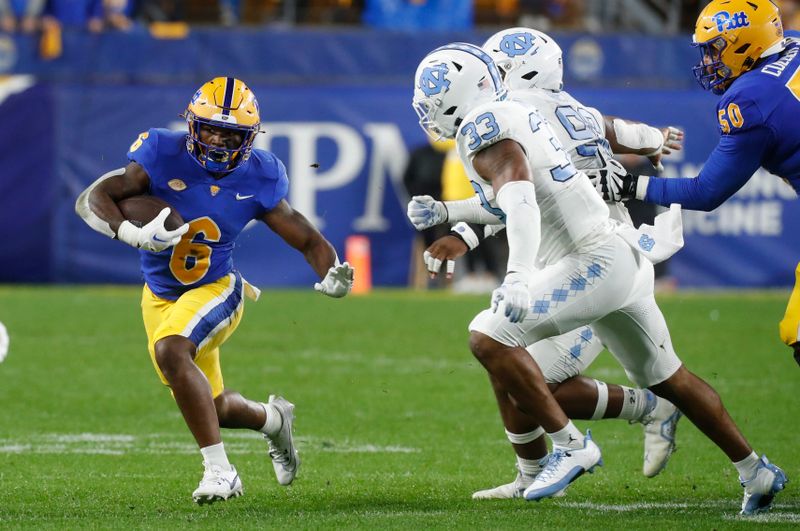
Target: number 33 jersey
x=217, y=210
x=573, y=216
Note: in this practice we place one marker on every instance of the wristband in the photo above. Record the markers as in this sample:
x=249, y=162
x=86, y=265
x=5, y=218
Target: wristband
x=467, y=234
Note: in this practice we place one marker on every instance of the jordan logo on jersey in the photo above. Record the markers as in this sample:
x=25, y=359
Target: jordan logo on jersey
x=432, y=81
x=726, y=21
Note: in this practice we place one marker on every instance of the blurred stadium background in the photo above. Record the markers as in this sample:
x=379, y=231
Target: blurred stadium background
x=82, y=78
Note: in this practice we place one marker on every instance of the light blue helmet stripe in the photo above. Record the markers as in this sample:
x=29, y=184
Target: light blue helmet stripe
x=483, y=56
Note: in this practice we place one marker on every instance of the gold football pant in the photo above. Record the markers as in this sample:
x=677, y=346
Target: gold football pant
x=206, y=315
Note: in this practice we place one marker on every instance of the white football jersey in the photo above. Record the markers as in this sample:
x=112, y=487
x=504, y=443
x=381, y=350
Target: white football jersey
x=573, y=216
x=580, y=129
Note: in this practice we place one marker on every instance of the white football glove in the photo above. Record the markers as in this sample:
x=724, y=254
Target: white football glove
x=513, y=295
x=425, y=212
x=337, y=282
x=152, y=237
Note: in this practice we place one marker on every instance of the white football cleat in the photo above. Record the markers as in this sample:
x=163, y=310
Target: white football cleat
x=565, y=466
x=515, y=489
x=218, y=484
x=285, y=459
x=509, y=490
x=760, y=490
x=659, y=436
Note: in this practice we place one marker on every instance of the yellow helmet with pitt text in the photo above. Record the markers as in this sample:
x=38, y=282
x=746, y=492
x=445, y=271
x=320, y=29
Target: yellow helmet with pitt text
x=226, y=103
x=732, y=36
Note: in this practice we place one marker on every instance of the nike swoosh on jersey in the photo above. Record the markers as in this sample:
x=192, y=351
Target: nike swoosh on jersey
x=240, y=197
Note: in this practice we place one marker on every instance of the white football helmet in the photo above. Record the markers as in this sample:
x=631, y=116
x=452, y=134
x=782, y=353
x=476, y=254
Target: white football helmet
x=527, y=58
x=449, y=82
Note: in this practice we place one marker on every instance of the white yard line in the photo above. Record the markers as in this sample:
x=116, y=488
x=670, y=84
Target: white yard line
x=166, y=443
x=775, y=516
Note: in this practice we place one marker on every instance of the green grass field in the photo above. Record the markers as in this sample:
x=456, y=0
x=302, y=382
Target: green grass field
x=396, y=421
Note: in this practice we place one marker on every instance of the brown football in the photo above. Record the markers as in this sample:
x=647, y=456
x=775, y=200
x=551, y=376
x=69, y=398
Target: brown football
x=141, y=209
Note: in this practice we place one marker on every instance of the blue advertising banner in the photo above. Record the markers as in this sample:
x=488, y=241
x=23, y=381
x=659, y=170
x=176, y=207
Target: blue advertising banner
x=287, y=56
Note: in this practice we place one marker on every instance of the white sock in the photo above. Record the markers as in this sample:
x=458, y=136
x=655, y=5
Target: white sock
x=567, y=437
x=634, y=403
x=274, y=420
x=531, y=467
x=748, y=467
x=215, y=455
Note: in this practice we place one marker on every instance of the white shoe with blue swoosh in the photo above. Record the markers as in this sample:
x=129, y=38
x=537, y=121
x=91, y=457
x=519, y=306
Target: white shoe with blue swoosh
x=565, y=466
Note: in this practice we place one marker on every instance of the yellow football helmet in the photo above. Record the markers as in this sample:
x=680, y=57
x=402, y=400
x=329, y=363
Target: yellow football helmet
x=225, y=103
x=732, y=35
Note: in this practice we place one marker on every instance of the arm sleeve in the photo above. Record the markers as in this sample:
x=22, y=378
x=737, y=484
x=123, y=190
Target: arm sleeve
x=471, y=211
x=735, y=159
x=523, y=225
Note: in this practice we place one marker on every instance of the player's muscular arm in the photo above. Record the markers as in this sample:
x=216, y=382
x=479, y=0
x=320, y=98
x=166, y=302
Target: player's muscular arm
x=97, y=203
x=104, y=196
x=298, y=232
x=506, y=166
x=502, y=163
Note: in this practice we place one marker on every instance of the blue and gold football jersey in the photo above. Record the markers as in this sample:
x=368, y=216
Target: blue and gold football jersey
x=217, y=210
x=758, y=117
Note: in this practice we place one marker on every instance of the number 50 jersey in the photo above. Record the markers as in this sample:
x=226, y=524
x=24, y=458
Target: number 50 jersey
x=573, y=216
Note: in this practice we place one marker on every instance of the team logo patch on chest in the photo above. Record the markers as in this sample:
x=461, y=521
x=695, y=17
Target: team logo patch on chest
x=214, y=189
x=177, y=185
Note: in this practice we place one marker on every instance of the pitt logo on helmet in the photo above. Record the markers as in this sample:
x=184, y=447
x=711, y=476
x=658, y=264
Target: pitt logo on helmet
x=732, y=36
x=223, y=118
x=724, y=20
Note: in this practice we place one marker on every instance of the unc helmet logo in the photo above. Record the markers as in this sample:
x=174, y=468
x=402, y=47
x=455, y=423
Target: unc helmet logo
x=516, y=44
x=432, y=81
x=726, y=21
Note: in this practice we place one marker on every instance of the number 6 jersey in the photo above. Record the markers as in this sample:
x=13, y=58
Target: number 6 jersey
x=216, y=209
x=573, y=216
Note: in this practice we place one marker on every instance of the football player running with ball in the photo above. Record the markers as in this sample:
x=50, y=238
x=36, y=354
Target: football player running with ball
x=590, y=273
x=530, y=63
x=193, y=297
